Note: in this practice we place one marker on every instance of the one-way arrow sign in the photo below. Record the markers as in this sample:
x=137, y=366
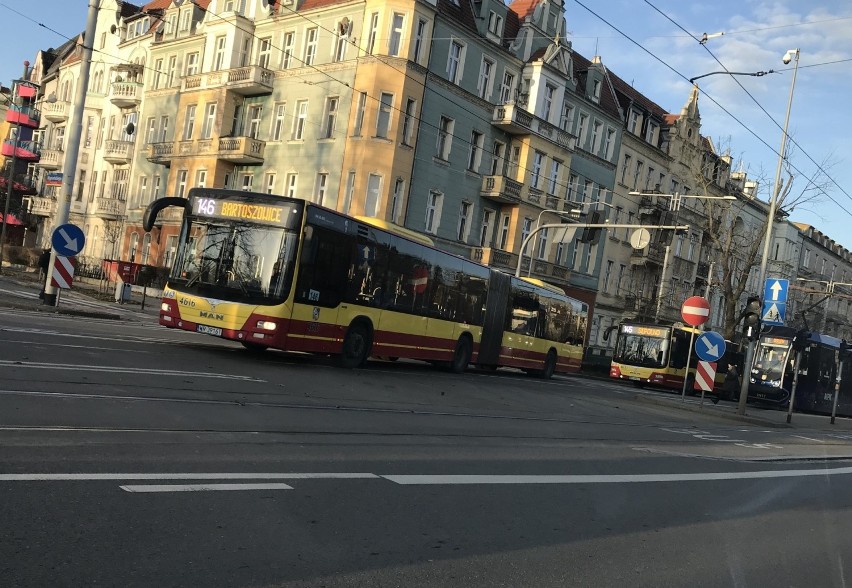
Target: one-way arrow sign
x=775, y=290
x=68, y=240
x=710, y=346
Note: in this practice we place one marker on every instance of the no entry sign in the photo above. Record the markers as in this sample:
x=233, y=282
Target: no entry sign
x=695, y=311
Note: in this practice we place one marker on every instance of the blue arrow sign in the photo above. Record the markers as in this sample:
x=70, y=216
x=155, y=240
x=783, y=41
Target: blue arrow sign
x=773, y=313
x=775, y=290
x=68, y=240
x=710, y=346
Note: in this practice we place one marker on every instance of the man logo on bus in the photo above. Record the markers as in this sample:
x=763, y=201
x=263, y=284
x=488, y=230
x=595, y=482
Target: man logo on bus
x=419, y=280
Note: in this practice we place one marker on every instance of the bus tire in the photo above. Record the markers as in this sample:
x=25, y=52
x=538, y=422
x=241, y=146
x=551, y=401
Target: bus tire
x=549, y=366
x=254, y=347
x=356, y=346
x=462, y=355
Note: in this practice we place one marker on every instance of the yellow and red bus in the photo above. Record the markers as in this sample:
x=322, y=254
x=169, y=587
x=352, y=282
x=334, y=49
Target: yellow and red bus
x=656, y=355
x=276, y=272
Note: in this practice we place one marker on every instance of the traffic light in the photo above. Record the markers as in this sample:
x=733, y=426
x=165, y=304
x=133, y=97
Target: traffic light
x=751, y=318
x=590, y=234
x=800, y=340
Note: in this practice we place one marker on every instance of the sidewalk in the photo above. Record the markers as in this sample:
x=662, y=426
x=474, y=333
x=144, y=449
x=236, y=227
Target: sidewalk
x=20, y=287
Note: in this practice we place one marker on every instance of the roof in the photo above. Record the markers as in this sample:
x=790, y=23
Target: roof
x=128, y=9
x=313, y=4
x=461, y=13
x=638, y=97
x=523, y=8
x=608, y=102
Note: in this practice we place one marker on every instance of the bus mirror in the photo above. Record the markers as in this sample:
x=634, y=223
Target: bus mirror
x=149, y=219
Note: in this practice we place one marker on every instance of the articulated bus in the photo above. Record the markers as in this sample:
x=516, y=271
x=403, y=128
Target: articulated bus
x=276, y=272
x=656, y=355
x=772, y=372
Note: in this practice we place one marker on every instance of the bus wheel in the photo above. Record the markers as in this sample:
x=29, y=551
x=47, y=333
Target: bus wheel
x=461, y=357
x=254, y=347
x=549, y=366
x=356, y=346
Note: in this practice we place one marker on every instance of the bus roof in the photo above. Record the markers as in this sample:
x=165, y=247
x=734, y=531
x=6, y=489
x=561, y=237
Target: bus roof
x=395, y=229
x=544, y=285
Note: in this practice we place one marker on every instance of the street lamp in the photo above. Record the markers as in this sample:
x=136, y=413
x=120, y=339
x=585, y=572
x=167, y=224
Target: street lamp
x=756, y=74
x=773, y=203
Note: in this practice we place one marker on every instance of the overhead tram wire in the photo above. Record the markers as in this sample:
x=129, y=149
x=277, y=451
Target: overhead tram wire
x=709, y=97
x=750, y=95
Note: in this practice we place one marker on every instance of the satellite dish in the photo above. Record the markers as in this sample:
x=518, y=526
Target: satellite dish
x=112, y=29
x=640, y=238
x=130, y=128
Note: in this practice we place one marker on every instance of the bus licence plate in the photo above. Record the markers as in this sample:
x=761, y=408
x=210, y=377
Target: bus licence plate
x=209, y=330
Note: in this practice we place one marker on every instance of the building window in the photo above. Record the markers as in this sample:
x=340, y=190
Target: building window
x=609, y=144
x=498, y=151
x=633, y=121
x=475, y=155
x=278, y=121
x=201, y=178
x=526, y=229
x=485, y=73
x=541, y=251
x=359, y=113
x=596, y=90
x=255, y=115
x=299, y=121
x=419, y=36
x=155, y=191
x=571, y=192
x=383, y=119
x=495, y=24
x=264, y=52
x=330, y=117
x=454, y=62
x=158, y=69
x=269, y=183
x=219, y=53
x=209, y=121
x=341, y=42
x=189, y=123
x=535, y=173
x=445, y=137
x=507, y=87
x=485, y=232
x=321, y=188
x=596, y=137
x=504, y=231
x=582, y=128
x=637, y=173
x=547, y=107
x=624, y=167
x=311, y=45
x=408, y=121
x=164, y=128
x=181, y=183
x=143, y=190
x=555, y=168
x=464, y=221
x=287, y=58
x=651, y=134
x=374, y=31
x=192, y=64
x=607, y=273
x=396, y=34
x=292, y=184
x=374, y=190
x=350, y=191
x=433, y=211
x=172, y=71
x=398, y=195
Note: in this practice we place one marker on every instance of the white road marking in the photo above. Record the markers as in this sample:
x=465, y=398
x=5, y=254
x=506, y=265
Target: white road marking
x=201, y=487
x=426, y=479
x=89, y=477
x=42, y=344
x=808, y=438
x=120, y=370
x=19, y=293
x=124, y=339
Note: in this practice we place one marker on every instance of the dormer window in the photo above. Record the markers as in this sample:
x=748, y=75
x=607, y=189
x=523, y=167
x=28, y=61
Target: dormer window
x=651, y=133
x=596, y=90
x=495, y=24
x=633, y=123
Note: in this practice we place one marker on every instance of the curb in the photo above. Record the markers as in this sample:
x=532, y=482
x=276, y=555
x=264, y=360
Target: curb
x=753, y=420
x=66, y=311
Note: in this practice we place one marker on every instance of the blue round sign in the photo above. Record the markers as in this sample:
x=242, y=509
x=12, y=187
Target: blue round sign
x=710, y=346
x=68, y=240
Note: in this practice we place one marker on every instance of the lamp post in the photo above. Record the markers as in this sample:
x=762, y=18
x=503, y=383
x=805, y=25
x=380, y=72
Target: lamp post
x=770, y=221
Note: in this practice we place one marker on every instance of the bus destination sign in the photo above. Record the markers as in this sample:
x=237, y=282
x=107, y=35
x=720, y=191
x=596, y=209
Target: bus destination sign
x=645, y=331
x=244, y=211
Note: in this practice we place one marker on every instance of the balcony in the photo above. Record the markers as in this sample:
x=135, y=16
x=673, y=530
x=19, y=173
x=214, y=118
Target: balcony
x=517, y=121
x=41, y=206
x=56, y=112
x=26, y=116
x=109, y=208
x=501, y=189
x=242, y=150
x=125, y=94
x=654, y=253
x=160, y=153
x=21, y=183
x=51, y=159
x=22, y=150
x=118, y=152
x=252, y=80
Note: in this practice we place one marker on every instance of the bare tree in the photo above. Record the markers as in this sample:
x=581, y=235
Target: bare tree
x=112, y=233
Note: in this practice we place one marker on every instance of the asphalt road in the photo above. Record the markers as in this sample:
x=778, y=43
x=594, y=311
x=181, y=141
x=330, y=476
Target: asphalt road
x=132, y=455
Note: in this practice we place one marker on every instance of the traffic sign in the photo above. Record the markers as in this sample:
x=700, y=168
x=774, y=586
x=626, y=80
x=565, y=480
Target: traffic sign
x=68, y=240
x=710, y=346
x=773, y=313
x=419, y=280
x=695, y=310
x=63, y=272
x=705, y=376
x=775, y=290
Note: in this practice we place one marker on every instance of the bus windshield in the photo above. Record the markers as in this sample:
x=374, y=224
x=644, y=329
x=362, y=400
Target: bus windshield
x=235, y=261
x=770, y=358
x=642, y=346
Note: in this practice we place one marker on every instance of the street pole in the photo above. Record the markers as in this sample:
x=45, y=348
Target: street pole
x=69, y=168
x=767, y=241
x=795, y=384
x=674, y=205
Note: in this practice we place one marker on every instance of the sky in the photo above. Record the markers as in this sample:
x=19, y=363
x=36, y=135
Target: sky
x=648, y=43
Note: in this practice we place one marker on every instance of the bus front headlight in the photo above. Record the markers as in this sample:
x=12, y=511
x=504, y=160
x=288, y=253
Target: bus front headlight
x=266, y=325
